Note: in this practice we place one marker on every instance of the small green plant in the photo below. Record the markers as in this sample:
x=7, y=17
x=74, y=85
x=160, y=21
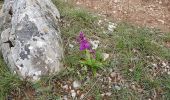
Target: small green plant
x=91, y=58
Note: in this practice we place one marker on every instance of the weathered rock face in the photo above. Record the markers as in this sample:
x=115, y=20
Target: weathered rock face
x=30, y=38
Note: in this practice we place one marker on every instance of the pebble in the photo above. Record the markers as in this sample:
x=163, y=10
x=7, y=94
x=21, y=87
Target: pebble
x=108, y=93
x=103, y=94
x=65, y=87
x=105, y=56
x=82, y=96
x=78, y=92
x=117, y=87
x=111, y=26
x=94, y=43
x=99, y=22
x=73, y=93
x=71, y=46
x=76, y=84
x=154, y=65
x=164, y=64
x=133, y=87
x=131, y=70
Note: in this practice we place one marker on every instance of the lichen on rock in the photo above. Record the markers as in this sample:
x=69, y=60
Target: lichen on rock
x=30, y=39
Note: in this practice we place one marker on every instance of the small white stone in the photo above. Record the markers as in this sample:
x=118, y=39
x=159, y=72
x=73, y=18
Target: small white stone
x=99, y=22
x=105, y=56
x=94, y=43
x=65, y=87
x=117, y=87
x=38, y=73
x=103, y=94
x=133, y=87
x=111, y=26
x=35, y=78
x=73, y=93
x=82, y=96
x=164, y=64
x=131, y=70
x=71, y=46
x=76, y=84
x=154, y=65
x=30, y=47
x=108, y=93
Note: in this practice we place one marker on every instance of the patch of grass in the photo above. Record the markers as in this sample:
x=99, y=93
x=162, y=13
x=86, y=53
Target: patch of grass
x=132, y=46
x=8, y=81
x=124, y=94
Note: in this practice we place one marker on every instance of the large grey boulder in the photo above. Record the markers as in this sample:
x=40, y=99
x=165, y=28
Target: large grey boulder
x=30, y=39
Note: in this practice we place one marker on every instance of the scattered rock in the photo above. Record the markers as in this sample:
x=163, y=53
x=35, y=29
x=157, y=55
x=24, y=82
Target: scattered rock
x=99, y=22
x=105, y=56
x=94, y=43
x=111, y=26
x=131, y=70
x=117, y=87
x=103, y=94
x=73, y=93
x=108, y=93
x=71, y=46
x=65, y=87
x=76, y=84
x=82, y=96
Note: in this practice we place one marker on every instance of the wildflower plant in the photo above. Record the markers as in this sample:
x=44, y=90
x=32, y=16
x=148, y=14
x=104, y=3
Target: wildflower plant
x=91, y=58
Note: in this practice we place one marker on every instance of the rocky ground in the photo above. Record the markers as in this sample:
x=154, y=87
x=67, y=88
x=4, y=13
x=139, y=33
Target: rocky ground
x=149, y=13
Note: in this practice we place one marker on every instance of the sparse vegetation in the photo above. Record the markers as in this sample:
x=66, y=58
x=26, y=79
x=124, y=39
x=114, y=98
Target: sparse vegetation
x=138, y=66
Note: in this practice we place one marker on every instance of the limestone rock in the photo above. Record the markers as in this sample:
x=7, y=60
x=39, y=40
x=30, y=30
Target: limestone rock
x=30, y=38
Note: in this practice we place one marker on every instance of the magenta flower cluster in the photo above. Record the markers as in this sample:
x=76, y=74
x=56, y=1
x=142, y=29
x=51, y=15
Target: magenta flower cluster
x=84, y=43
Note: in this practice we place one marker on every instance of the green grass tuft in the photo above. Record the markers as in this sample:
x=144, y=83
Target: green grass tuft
x=8, y=81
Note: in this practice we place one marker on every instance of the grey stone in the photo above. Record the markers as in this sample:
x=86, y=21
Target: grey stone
x=30, y=38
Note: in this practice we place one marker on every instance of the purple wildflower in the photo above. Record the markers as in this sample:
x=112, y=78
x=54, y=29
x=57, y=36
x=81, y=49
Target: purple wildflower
x=84, y=43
